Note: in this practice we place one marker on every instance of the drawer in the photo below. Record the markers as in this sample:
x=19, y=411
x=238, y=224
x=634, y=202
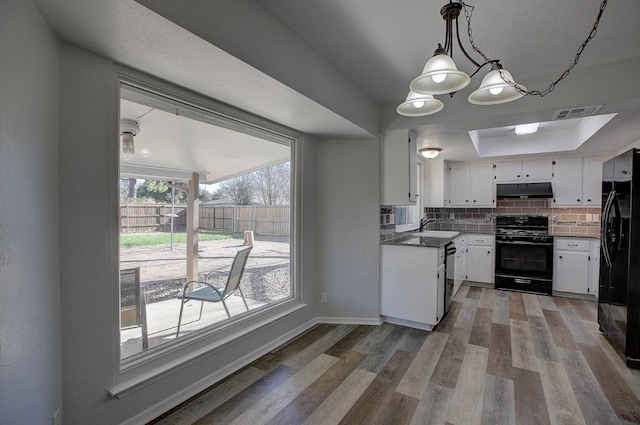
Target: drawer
x=570, y=244
x=483, y=240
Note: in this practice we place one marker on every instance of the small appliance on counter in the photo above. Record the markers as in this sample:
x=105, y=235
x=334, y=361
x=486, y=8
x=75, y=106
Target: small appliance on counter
x=524, y=254
x=619, y=287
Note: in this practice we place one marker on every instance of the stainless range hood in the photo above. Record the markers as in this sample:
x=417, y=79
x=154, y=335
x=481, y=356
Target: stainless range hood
x=524, y=190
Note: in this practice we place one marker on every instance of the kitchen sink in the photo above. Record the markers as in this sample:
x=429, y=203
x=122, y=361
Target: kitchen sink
x=437, y=234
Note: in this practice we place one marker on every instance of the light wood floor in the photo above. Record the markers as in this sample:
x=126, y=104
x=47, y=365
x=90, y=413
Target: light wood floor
x=497, y=358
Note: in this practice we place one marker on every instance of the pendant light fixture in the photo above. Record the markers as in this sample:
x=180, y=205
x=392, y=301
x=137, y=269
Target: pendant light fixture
x=128, y=129
x=417, y=105
x=441, y=75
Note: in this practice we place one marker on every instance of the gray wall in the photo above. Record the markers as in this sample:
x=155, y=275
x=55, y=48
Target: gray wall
x=30, y=363
x=348, y=227
x=88, y=151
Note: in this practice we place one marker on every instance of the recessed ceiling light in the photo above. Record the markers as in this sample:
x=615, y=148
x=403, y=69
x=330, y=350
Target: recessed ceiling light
x=523, y=129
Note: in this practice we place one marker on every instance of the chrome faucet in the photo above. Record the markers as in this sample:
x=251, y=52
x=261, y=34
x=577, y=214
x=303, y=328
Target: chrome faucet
x=424, y=221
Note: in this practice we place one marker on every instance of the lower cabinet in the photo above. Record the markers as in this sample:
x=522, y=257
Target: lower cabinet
x=575, y=268
x=410, y=292
x=460, y=272
x=480, y=258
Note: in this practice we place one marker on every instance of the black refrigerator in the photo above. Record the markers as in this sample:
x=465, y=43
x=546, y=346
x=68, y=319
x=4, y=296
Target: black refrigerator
x=619, y=288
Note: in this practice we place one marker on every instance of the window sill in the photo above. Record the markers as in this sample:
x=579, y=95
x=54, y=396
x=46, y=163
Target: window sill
x=406, y=227
x=135, y=383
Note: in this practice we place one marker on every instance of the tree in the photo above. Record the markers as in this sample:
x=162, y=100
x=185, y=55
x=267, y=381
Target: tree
x=272, y=184
x=160, y=192
x=205, y=196
x=239, y=189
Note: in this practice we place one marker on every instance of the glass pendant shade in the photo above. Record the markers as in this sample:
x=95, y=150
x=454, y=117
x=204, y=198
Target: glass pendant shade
x=417, y=105
x=128, y=146
x=494, y=90
x=440, y=76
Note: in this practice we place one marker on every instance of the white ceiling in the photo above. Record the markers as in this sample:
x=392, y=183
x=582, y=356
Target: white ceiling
x=325, y=66
x=383, y=45
x=168, y=143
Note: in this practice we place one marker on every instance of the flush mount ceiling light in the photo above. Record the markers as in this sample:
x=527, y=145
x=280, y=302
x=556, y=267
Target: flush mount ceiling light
x=441, y=75
x=430, y=153
x=523, y=129
x=128, y=129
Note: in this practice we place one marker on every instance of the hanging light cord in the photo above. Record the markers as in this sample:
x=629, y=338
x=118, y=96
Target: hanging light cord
x=468, y=11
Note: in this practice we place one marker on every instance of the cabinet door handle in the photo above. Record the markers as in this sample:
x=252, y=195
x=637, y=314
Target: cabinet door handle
x=488, y=252
x=518, y=175
x=588, y=200
x=474, y=200
x=573, y=244
x=560, y=257
x=527, y=175
x=578, y=200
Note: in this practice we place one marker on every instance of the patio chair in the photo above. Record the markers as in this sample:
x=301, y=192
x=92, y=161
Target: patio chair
x=207, y=292
x=133, y=306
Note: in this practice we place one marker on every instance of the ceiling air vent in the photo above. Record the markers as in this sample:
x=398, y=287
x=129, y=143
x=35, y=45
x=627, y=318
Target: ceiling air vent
x=584, y=111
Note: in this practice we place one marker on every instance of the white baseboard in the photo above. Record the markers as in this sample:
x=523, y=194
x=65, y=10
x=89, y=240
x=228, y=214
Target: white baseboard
x=408, y=323
x=350, y=320
x=204, y=383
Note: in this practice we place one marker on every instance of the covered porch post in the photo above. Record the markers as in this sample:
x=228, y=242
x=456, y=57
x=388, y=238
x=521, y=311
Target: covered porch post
x=193, y=215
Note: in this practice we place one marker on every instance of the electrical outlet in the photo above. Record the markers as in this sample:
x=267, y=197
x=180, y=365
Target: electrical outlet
x=56, y=419
x=323, y=297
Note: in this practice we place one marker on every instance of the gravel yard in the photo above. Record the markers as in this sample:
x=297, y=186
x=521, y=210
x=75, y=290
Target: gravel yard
x=162, y=270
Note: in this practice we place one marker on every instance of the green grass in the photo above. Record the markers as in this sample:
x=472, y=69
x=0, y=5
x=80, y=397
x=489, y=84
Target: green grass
x=144, y=239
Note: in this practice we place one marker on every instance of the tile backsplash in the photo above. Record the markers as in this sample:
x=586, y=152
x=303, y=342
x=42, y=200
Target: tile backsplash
x=579, y=221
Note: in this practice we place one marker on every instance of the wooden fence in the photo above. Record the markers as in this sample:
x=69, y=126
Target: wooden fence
x=261, y=219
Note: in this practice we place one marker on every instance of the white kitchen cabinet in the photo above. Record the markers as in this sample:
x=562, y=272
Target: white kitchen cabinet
x=567, y=182
x=592, y=180
x=529, y=170
x=436, y=183
x=398, y=168
x=573, y=266
x=508, y=171
x=481, y=185
x=471, y=184
x=481, y=258
x=460, y=272
x=537, y=169
x=459, y=181
x=409, y=291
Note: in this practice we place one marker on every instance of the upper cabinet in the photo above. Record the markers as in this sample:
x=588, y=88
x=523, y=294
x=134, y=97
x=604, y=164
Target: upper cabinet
x=471, y=184
x=398, y=168
x=482, y=193
x=592, y=180
x=578, y=181
x=567, y=182
x=459, y=180
x=530, y=170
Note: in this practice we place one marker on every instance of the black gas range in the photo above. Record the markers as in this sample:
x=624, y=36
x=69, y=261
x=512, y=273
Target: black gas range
x=524, y=254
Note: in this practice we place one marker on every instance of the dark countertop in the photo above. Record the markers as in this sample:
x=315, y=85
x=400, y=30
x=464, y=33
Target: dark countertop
x=560, y=235
x=417, y=241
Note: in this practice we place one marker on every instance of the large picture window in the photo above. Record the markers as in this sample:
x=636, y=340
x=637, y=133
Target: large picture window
x=205, y=220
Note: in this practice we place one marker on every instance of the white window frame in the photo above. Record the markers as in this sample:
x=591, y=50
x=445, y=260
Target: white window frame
x=142, y=369
x=418, y=208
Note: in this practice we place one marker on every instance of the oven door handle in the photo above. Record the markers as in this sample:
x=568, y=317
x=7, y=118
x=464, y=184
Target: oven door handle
x=524, y=243
x=524, y=281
